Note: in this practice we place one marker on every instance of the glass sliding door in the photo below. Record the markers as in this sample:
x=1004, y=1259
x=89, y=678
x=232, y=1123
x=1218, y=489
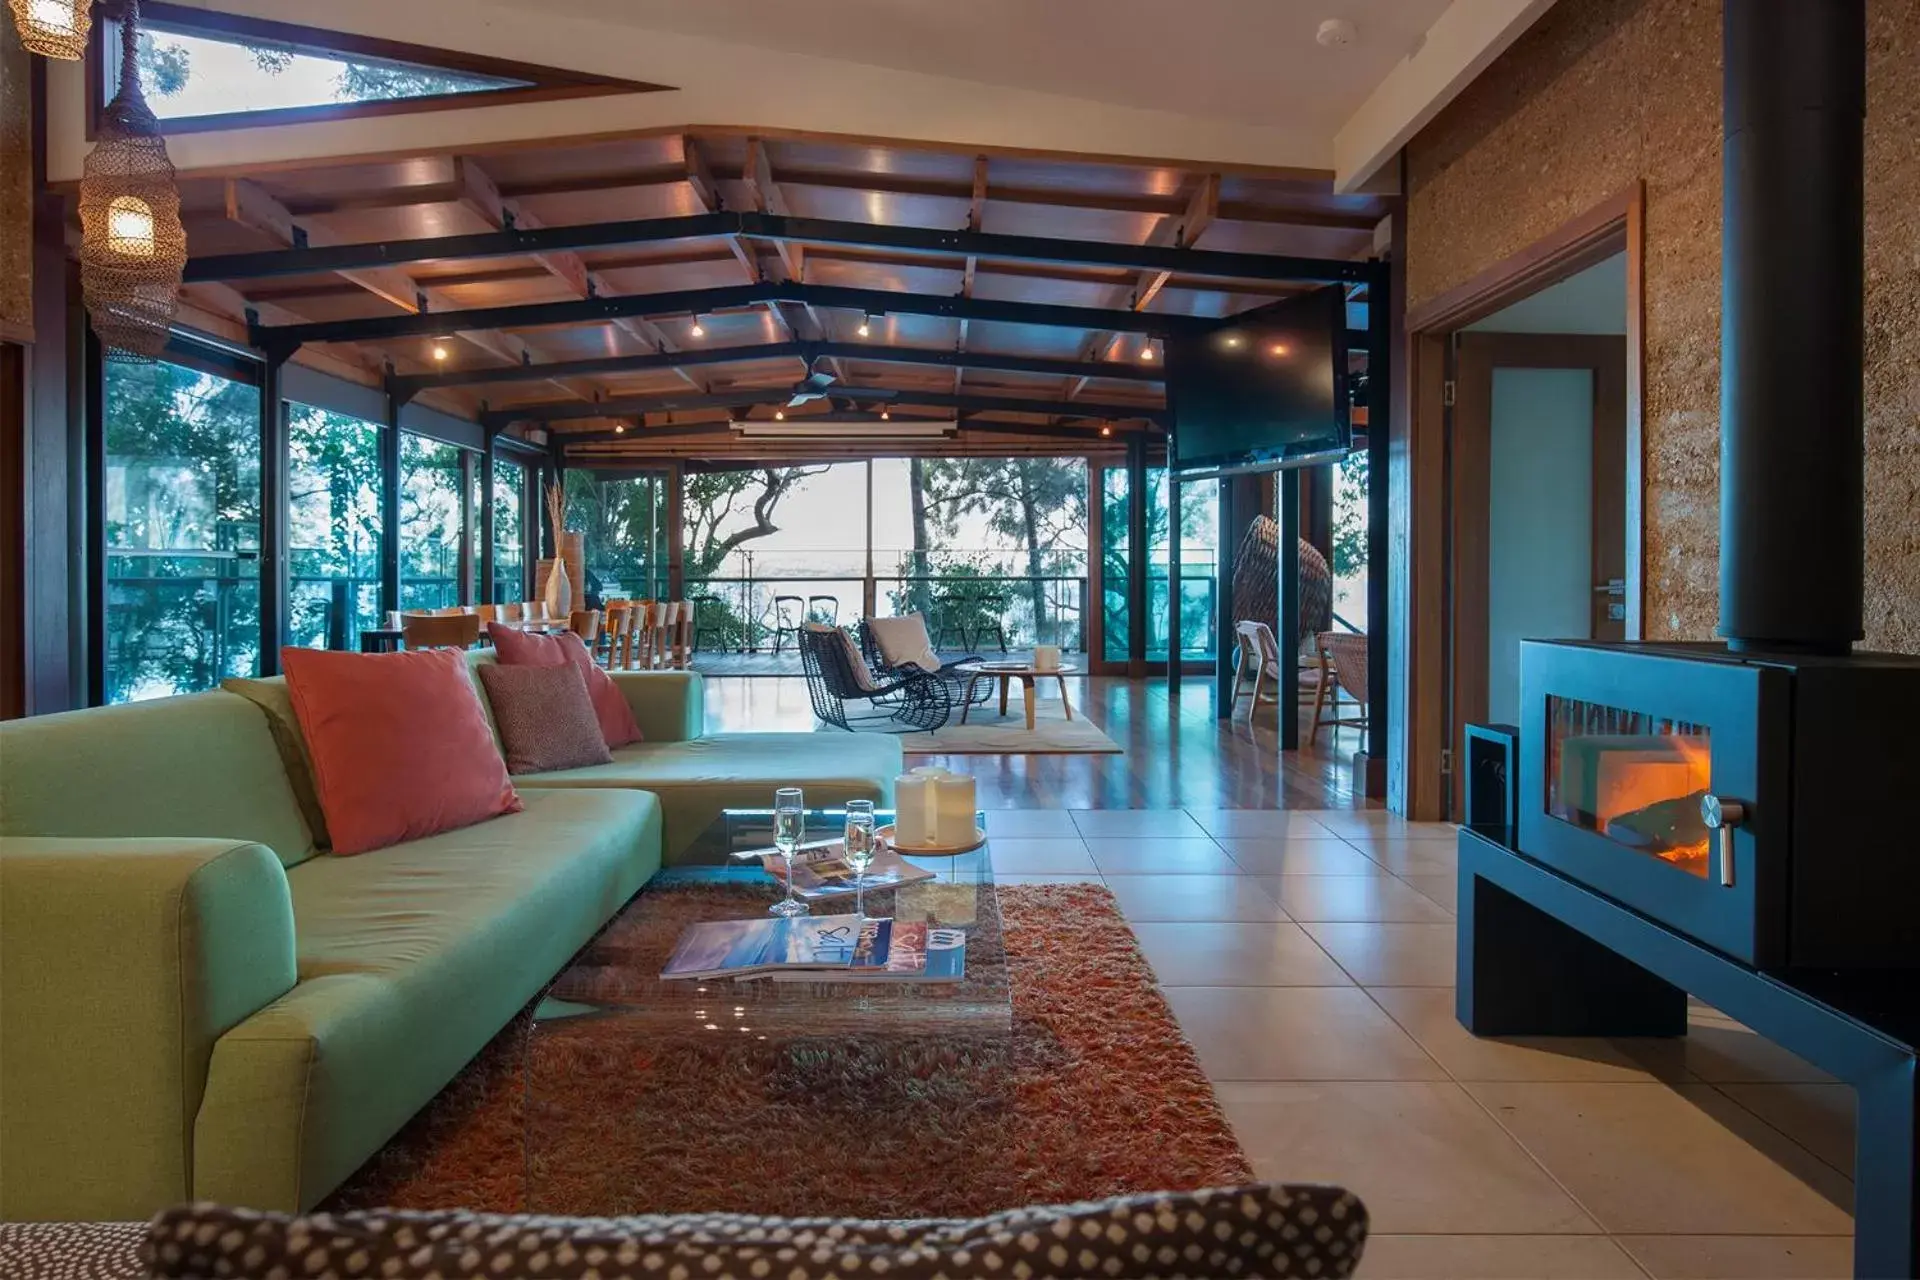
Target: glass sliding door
x=181, y=490
x=1199, y=560
x=1349, y=559
x=432, y=523
x=333, y=527
x=509, y=532
x=1113, y=563
x=623, y=519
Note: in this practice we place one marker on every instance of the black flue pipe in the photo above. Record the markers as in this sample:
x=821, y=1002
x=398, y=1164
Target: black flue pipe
x=1792, y=447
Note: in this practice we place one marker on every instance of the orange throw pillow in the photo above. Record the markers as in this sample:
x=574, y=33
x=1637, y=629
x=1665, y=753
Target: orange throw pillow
x=400, y=744
x=517, y=648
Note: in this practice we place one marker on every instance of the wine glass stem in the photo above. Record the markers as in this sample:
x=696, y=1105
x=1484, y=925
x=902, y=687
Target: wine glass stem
x=860, y=894
x=791, y=896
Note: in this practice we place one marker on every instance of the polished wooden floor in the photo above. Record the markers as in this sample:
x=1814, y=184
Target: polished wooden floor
x=1177, y=753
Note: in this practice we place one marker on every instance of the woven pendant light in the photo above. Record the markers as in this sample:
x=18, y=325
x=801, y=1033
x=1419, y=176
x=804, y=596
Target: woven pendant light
x=54, y=28
x=133, y=250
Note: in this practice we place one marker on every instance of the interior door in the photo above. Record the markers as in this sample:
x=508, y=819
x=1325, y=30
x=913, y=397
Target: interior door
x=1538, y=465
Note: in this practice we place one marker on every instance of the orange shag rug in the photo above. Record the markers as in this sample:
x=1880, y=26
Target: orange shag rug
x=1102, y=1096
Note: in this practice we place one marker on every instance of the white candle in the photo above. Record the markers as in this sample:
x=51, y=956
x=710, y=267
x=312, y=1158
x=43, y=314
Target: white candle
x=953, y=809
x=913, y=816
x=1046, y=657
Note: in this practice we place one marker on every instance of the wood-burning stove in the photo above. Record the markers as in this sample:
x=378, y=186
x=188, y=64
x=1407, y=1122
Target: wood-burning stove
x=1629, y=750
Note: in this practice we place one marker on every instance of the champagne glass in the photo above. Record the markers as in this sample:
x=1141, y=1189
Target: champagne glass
x=789, y=829
x=859, y=850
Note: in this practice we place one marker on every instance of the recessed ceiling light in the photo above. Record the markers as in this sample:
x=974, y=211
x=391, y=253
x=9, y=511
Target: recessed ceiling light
x=1336, y=33
x=1277, y=349
x=1234, y=340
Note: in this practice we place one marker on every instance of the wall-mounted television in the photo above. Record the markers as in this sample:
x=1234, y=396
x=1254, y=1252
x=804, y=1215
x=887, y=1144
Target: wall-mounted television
x=1263, y=390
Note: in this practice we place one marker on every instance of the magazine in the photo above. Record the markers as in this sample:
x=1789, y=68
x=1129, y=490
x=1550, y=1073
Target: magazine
x=822, y=871
x=896, y=951
x=745, y=948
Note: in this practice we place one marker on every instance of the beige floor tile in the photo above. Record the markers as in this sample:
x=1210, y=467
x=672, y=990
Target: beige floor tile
x=1218, y=954
x=1358, y=821
x=1353, y=898
x=1390, y=955
x=1427, y=1015
x=1042, y=856
x=1138, y=824
x=1300, y=856
x=1817, y=1116
x=1739, y=1257
x=1423, y=1156
x=1719, y=1049
x=1661, y=1159
x=1443, y=889
x=1450, y=1257
x=1296, y=1033
x=1031, y=822
x=1195, y=898
x=1410, y=857
x=1258, y=824
x=1172, y=856
x=1006, y=878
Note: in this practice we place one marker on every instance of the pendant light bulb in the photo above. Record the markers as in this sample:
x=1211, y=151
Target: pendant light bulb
x=1146, y=353
x=699, y=330
x=866, y=326
x=439, y=349
x=779, y=415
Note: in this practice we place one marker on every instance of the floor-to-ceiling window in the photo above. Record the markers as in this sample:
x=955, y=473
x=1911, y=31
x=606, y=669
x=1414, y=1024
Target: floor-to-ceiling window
x=623, y=522
x=431, y=523
x=182, y=495
x=1114, y=562
x=1199, y=561
x=333, y=527
x=1350, y=542
x=509, y=531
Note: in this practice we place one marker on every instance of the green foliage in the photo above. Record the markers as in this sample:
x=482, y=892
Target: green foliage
x=380, y=82
x=164, y=68
x=1350, y=516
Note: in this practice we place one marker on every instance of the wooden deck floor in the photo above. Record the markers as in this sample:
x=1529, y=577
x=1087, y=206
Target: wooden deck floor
x=1177, y=755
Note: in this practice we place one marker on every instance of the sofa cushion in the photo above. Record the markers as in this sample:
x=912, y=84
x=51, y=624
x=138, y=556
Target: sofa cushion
x=1256, y=1230
x=401, y=748
x=696, y=779
x=201, y=766
x=276, y=703
x=410, y=959
x=527, y=648
x=904, y=640
x=544, y=716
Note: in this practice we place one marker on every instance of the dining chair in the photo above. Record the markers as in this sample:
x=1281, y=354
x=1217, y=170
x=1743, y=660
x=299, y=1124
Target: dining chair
x=617, y=631
x=486, y=612
x=533, y=611
x=1260, y=654
x=508, y=612
x=585, y=623
x=683, y=635
x=439, y=630
x=666, y=624
x=640, y=634
x=1344, y=655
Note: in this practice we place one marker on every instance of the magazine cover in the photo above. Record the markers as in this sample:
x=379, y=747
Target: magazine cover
x=736, y=948
x=824, y=872
x=898, y=951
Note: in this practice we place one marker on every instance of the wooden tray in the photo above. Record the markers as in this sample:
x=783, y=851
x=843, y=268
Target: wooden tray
x=930, y=850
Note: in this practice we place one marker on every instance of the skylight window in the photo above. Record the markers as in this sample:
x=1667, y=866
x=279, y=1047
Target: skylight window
x=206, y=70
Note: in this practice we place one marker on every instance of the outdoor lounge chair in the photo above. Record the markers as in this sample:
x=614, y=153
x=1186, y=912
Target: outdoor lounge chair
x=895, y=647
x=908, y=701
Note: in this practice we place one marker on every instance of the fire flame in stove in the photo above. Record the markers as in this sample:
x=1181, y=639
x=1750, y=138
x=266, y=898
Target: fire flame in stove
x=1650, y=797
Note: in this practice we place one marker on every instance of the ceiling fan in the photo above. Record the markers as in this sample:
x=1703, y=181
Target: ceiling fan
x=810, y=388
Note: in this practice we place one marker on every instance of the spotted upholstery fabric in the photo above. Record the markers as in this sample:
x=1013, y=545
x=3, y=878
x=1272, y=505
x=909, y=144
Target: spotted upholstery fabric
x=71, y=1250
x=1254, y=1231
x=545, y=717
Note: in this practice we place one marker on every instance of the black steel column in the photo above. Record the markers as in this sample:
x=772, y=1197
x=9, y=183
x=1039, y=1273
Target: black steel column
x=1288, y=639
x=1380, y=327
x=390, y=509
x=93, y=375
x=1233, y=522
x=1137, y=594
x=1792, y=263
x=485, y=592
x=274, y=576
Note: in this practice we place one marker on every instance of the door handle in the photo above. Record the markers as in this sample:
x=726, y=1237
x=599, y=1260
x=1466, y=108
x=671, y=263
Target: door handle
x=1611, y=587
x=1722, y=814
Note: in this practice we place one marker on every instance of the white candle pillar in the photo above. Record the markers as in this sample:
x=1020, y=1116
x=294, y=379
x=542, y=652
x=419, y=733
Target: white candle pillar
x=954, y=809
x=913, y=809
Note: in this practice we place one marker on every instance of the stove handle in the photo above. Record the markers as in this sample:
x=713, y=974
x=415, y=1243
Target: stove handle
x=1723, y=815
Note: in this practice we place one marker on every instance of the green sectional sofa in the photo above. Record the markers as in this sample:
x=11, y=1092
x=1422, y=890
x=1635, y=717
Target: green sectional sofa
x=196, y=1003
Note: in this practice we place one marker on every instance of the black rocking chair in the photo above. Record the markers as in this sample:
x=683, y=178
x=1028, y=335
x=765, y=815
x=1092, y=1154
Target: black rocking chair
x=947, y=671
x=912, y=699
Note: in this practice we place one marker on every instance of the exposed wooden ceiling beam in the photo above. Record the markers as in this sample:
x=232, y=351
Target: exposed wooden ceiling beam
x=766, y=196
x=707, y=195
x=251, y=205
x=976, y=212
x=480, y=195
x=1181, y=232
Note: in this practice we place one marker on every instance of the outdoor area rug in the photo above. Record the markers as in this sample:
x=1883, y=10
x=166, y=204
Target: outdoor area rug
x=988, y=733
x=1103, y=1096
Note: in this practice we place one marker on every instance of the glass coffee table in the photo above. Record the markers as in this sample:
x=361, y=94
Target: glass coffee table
x=650, y=1096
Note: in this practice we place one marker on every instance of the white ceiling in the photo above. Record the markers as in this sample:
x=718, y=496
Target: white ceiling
x=1251, y=61
x=1595, y=301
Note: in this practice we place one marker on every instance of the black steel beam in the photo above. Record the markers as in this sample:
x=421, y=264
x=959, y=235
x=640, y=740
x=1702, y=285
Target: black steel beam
x=412, y=384
x=641, y=435
x=390, y=509
x=630, y=406
x=766, y=226
x=289, y=337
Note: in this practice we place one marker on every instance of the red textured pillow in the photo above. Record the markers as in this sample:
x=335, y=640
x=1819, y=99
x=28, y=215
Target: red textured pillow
x=545, y=719
x=518, y=648
x=400, y=744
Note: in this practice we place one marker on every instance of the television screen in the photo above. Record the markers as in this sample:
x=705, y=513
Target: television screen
x=1265, y=389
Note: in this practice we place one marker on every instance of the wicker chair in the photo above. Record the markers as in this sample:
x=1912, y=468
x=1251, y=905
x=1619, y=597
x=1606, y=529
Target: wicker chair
x=1344, y=670
x=947, y=671
x=837, y=675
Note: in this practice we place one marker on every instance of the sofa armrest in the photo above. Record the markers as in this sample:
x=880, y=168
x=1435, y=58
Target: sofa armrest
x=122, y=961
x=670, y=706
